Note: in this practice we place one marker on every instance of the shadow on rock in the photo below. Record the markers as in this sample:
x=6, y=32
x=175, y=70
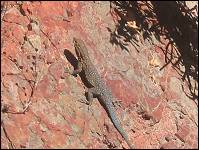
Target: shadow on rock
x=170, y=19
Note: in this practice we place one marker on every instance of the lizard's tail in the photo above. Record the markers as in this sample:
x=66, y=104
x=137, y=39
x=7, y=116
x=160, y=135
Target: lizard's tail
x=117, y=124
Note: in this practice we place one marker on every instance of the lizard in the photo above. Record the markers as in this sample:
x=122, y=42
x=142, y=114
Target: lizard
x=97, y=87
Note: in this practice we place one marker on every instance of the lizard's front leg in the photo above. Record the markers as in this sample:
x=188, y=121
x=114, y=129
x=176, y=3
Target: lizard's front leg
x=90, y=95
x=76, y=71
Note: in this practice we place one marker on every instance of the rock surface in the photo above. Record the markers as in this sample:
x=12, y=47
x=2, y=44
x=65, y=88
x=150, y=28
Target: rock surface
x=36, y=41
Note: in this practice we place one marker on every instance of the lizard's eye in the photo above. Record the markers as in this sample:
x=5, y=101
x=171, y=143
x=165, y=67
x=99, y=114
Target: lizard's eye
x=75, y=42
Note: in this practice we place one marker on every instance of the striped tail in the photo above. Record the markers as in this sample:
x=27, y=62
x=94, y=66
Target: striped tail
x=117, y=124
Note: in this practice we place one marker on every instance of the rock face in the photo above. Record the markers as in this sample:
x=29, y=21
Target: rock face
x=36, y=47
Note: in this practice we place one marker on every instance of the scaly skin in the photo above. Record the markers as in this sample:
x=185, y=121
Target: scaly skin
x=97, y=86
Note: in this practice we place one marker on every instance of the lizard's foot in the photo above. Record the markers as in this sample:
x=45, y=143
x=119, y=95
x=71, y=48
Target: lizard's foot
x=67, y=70
x=117, y=103
x=83, y=101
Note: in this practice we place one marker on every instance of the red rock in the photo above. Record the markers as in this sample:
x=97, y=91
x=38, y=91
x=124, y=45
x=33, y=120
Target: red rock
x=10, y=67
x=42, y=117
x=27, y=8
x=183, y=132
x=189, y=142
x=157, y=113
x=22, y=120
x=122, y=92
x=169, y=145
x=142, y=141
x=18, y=134
x=56, y=139
x=56, y=70
x=47, y=88
x=195, y=145
x=171, y=95
x=16, y=18
x=61, y=87
x=4, y=144
x=153, y=102
x=18, y=33
x=11, y=49
x=74, y=5
x=50, y=56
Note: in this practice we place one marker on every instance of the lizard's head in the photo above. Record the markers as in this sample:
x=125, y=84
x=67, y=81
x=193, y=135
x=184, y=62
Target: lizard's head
x=80, y=48
x=77, y=43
